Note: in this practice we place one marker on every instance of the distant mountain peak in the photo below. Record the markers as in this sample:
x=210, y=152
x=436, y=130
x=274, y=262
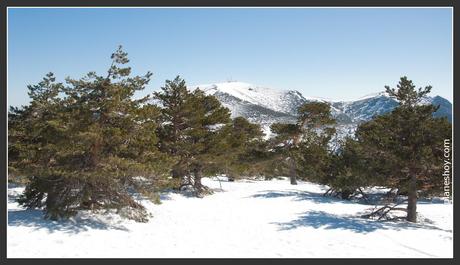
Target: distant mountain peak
x=277, y=100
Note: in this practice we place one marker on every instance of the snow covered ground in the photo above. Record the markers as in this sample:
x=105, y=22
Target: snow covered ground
x=247, y=219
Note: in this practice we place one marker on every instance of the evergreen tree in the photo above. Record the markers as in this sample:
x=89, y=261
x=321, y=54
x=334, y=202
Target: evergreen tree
x=86, y=145
x=172, y=98
x=205, y=119
x=310, y=131
x=36, y=135
x=191, y=130
x=406, y=144
x=314, y=156
x=349, y=170
x=39, y=117
x=236, y=152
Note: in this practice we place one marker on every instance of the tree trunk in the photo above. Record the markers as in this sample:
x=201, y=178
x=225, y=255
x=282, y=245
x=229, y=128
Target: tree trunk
x=52, y=211
x=198, y=174
x=412, y=200
x=292, y=171
x=175, y=173
x=346, y=194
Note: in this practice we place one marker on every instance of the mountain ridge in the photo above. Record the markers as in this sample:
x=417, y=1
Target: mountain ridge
x=264, y=105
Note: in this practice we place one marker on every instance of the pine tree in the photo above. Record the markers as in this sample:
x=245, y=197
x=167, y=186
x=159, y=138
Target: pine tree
x=36, y=135
x=191, y=130
x=406, y=144
x=205, y=119
x=348, y=170
x=310, y=129
x=172, y=98
x=314, y=155
x=87, y=148
x=234, y=153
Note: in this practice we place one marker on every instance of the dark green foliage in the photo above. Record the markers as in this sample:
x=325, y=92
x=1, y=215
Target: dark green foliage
x=88, y=144
x=205, y=119
x=239, y=149
x=301, y=149
x=314, y=156
x=315, y=115
x=285, y=131
x=406, y=94
x=172, y=98
x=348, y=170
x=404, y=147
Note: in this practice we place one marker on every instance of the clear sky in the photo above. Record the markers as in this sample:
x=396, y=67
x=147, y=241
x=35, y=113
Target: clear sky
x=338, y=53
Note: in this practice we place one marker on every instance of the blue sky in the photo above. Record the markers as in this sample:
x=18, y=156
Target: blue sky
x=337, y=53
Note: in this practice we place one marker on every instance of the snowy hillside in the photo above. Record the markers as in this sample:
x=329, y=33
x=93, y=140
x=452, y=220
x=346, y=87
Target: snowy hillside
x=283, y=101
x=265, y=106
x=264, y=219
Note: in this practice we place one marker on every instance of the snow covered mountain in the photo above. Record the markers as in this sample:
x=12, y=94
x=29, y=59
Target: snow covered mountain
x=265, y=106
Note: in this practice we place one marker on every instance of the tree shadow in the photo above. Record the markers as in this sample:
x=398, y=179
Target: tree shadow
x=35, y=218
x=165, y=195
x=372, y=199
x=297, y=195
x=323, y=220
x=12, y=185
x=12, y=198
x=435, y=200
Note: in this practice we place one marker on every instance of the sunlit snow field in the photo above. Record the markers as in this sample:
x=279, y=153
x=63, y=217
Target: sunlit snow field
x=265, y=219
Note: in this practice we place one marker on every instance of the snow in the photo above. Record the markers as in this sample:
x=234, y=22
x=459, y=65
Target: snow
x=265, y=219
x=262, y=96
x=371, y=95
x=267, y=97
x=267, y=131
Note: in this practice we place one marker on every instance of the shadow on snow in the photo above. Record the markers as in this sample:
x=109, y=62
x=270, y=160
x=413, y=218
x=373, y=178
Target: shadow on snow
x=323, y=220
x=299, y=196
x=34, y=218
